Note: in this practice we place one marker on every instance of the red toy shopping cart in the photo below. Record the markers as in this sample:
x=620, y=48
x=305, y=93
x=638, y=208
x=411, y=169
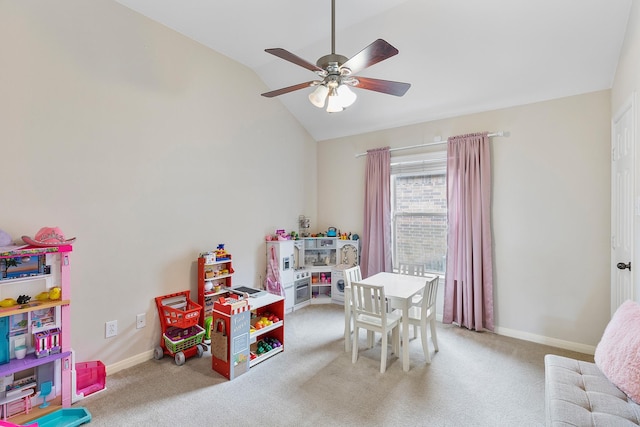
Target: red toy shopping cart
x=181, y=335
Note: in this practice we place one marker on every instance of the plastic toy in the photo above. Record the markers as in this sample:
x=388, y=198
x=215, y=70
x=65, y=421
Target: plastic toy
x=54, y=293
x=65, y=417
x=47, y=342
x=42, y=296
x=24, y=299
x=207, y=329
x=221, y=253
x=266, y=345
x=8, y=302
x=45, y=390
x=181, y=335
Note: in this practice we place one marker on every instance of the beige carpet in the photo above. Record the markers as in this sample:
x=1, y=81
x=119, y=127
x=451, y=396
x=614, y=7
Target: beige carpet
x=476, y=379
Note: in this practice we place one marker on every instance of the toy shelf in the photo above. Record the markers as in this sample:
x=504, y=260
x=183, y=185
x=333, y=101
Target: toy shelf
x=321, y=293
x=32, y=250
x=265, y=356
x=26, y=278
x=29, y=361
x=218, y=262
x=32, y=306
x=259, y=332
x=206, y=297
x=273, y=304
x=213, y=294
x=222, y=276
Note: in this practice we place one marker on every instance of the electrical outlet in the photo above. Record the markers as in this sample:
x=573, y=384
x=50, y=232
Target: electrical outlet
x=111, y=328
x=141, y=320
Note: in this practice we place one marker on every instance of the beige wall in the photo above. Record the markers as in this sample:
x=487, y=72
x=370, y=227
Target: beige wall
x=151, y=148
x=148, y=147
x=551, y=192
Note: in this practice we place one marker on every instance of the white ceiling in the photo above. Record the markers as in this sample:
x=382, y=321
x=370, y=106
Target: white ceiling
x=460, y=56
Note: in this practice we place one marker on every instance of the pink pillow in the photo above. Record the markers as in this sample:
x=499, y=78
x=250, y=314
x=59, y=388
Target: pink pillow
x=618, y=353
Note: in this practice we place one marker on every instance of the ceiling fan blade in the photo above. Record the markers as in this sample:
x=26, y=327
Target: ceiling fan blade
x=384, y=86
x=288, y=56
x=377, y=51
x=288, y=89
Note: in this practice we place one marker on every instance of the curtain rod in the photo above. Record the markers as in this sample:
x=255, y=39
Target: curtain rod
x=499, y=133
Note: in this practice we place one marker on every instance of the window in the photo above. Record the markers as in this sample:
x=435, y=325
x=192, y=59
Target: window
x=419, y=211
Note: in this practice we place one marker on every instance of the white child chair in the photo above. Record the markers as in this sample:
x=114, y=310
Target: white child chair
x=423, y=312
x=370, y=313
x=411, y=269
x=352, y=274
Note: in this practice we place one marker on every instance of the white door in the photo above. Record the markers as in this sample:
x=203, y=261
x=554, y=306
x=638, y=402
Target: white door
x=622, y=205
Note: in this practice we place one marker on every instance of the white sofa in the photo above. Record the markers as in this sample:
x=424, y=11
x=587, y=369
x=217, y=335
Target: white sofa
x=578, y=394
x=605, y=393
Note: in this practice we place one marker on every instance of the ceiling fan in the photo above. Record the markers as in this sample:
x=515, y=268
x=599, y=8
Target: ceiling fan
x=337, y=74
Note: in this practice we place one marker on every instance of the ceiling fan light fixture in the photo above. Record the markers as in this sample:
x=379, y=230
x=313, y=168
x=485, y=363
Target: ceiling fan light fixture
x=334, y=103
x=336, y=71
x=346, y=95
x=319, y=96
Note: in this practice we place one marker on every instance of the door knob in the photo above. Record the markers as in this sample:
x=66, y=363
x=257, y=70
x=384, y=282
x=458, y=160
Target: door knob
x=622, y=265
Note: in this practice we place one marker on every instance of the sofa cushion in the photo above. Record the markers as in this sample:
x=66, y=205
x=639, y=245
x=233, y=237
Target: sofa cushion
x=618, y=353
x=578, y=394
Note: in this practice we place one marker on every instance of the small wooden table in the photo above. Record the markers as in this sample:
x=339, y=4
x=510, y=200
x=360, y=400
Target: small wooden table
x=399, y=289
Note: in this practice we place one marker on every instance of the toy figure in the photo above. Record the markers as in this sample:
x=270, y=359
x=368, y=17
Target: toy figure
x=23, y=299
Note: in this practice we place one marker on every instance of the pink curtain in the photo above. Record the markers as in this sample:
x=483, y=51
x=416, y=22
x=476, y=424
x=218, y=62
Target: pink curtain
x=376, y=236
x=468, y=292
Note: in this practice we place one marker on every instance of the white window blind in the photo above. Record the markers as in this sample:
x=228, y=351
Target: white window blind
x=419, y=164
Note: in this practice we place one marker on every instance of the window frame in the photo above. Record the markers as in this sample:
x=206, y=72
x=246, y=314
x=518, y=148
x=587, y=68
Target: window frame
x=431, y=163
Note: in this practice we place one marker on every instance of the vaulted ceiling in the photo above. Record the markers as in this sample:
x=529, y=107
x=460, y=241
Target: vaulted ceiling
x=460, y=56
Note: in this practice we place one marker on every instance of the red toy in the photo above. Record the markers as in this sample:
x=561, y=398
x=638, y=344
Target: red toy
x=181, y=334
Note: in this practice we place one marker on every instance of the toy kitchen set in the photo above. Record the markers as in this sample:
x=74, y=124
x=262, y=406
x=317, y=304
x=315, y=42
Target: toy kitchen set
x=311, y=266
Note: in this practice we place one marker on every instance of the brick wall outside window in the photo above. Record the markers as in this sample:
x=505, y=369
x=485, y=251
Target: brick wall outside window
x=420, y=221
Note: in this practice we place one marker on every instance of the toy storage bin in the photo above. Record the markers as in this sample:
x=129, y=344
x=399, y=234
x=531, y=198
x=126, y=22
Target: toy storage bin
x=90, y=377
x=177, y=339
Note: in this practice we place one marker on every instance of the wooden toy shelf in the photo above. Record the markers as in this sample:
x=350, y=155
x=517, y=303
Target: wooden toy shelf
x=241, y=350
x=32, y=306
x=257, y=334
x=233, y=352
x=213, y=294
x=266, y=356
x=272, y=304
x=209, y=271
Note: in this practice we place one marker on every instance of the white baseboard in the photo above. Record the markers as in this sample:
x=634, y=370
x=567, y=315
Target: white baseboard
x=128, y=363
x=526, y=336
x=554, y=342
